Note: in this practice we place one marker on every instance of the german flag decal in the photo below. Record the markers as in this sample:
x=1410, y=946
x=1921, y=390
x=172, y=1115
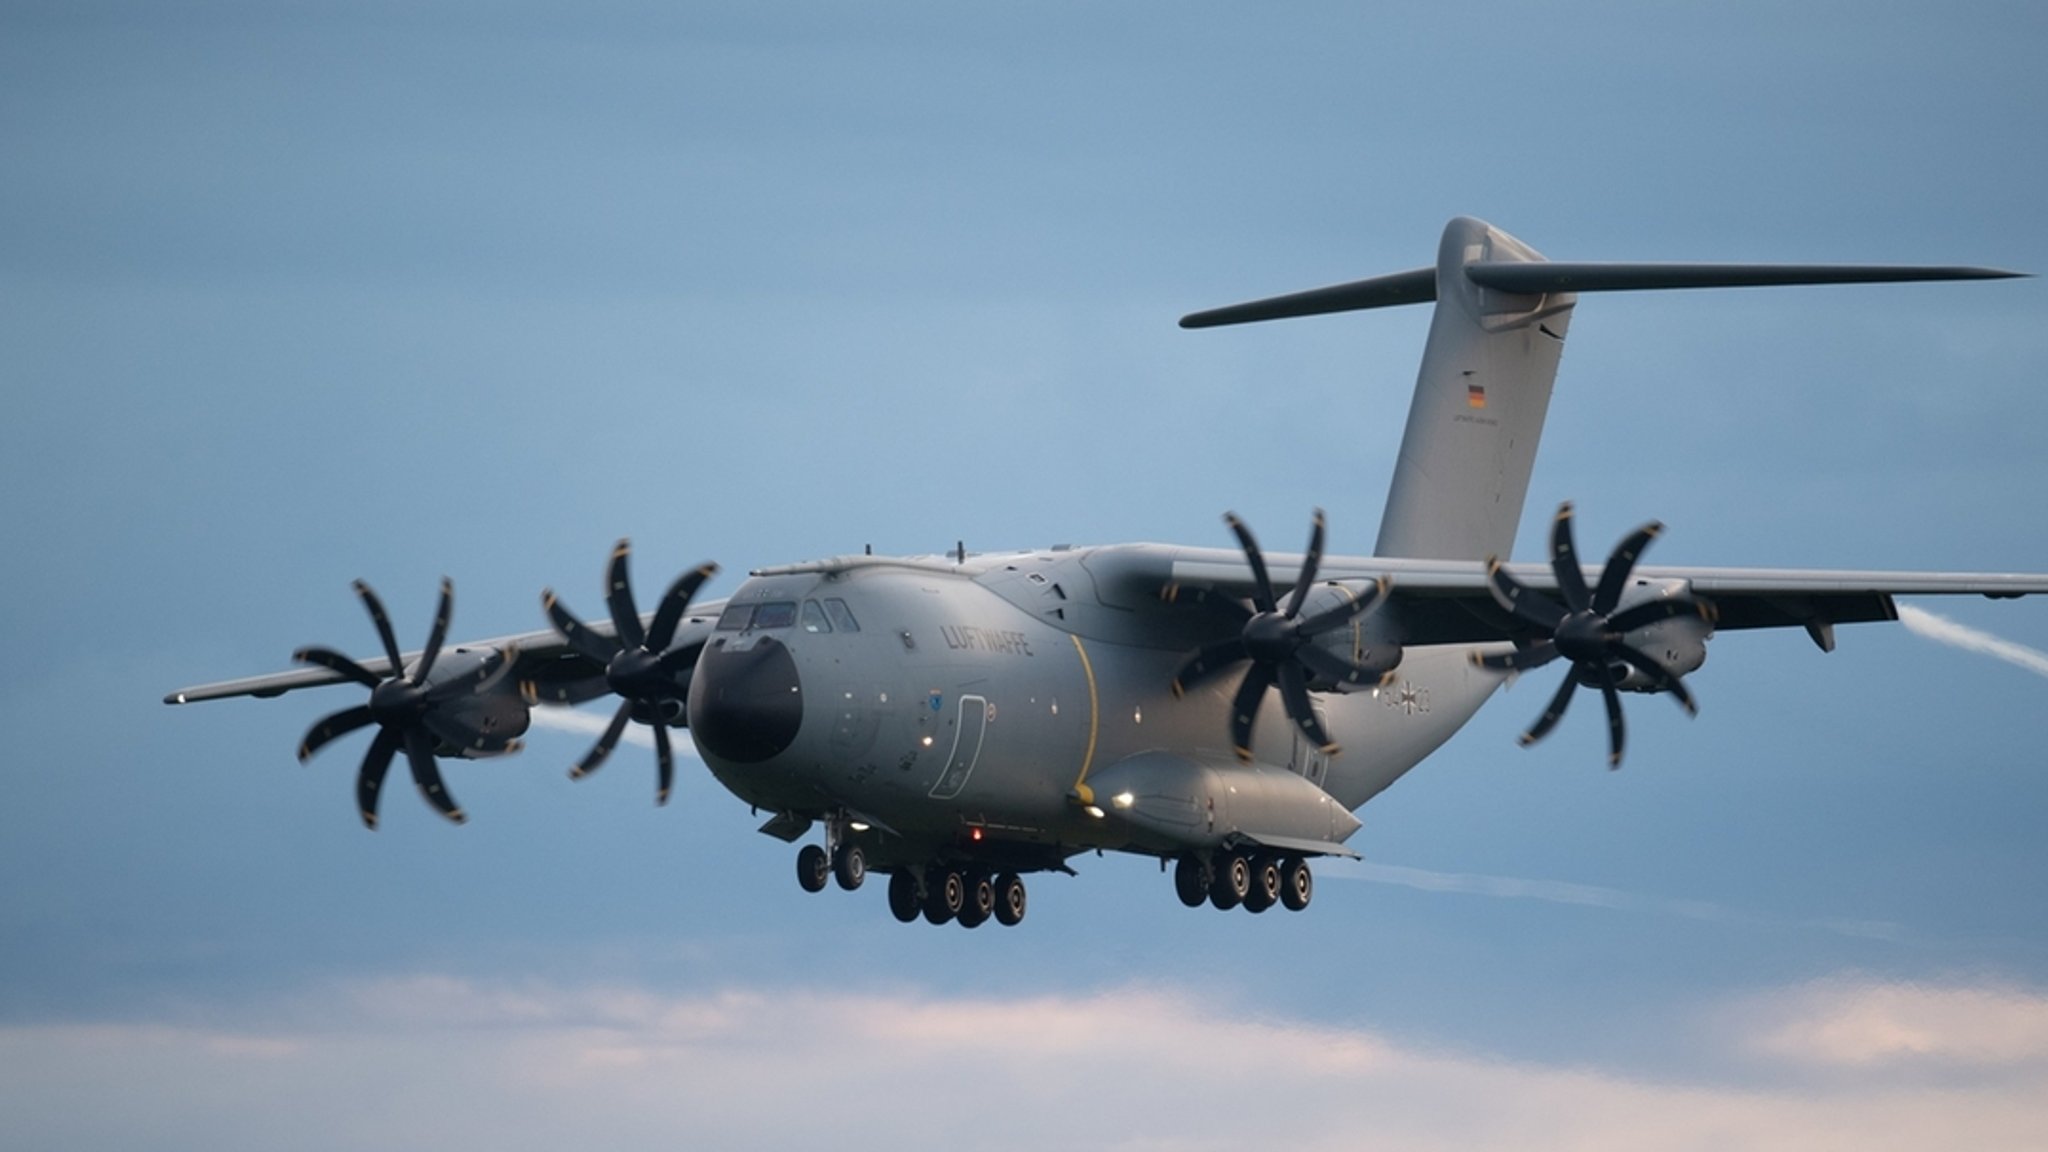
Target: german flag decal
x=1475, y=396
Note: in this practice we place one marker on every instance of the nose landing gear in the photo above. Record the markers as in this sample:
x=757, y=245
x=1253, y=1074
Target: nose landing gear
x=940, y=893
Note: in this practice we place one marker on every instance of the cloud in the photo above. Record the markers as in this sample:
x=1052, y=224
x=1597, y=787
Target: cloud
x=1943, y=630
x=436, y=1059
x=1864, y=1024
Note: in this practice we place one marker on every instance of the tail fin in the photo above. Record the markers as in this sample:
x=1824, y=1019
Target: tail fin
x=1484, y=387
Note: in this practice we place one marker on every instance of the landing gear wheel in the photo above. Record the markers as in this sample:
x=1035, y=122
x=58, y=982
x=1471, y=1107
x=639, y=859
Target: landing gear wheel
x=850, y=866
x=980, y=903
x=1296, y=884
x=1265, y=889
x=812, y=868
x=943, y=898
x=903, y=901
x=1233, y=882
x=1188, y=882
x=1009, y=899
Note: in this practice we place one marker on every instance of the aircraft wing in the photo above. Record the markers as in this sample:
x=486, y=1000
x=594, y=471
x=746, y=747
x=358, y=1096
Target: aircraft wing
x=1447, y=602
x=558, y=673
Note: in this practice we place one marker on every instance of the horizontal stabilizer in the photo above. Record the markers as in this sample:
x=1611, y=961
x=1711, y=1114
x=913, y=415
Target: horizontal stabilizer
x=1537, y=277
x=1534, y=277
x=1415, y=286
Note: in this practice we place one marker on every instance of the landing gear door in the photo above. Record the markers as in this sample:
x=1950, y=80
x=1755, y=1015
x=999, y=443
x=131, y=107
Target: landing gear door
x=967, y=736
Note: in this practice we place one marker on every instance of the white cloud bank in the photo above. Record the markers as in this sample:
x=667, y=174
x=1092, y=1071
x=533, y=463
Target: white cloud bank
x=438, y=1062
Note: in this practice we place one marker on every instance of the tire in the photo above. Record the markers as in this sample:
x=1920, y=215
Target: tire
x=944, y=896
x=1188, y=883
x=903, y=901
x=1232, y=883
x=1265, y=889
x=1010, y=899
x=1297, y=884
x=980, y=903
x=812, y=868
x=851, y=866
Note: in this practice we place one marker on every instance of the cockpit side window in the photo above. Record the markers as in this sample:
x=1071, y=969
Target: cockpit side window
x=736, y=617
x=842, y=616
x=775, y=614
x=814, y=617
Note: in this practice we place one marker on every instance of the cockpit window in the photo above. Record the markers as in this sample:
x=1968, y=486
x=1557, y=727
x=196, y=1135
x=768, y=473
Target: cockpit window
x=842, y=616
x=775, y=614
x=736, y=617
x=814, y=617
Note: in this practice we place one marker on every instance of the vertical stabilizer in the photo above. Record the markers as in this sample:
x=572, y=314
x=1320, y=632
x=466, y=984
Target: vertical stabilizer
x=1480, y=400
x=1494, y=344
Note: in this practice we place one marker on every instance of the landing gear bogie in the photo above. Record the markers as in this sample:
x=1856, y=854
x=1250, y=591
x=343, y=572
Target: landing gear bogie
x=813, y=868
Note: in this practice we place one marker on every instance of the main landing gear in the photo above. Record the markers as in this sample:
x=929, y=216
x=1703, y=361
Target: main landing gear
x=940, y=893
x=1253, y=881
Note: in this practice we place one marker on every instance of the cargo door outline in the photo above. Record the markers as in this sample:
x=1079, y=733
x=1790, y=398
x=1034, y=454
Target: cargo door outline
x=967, y=740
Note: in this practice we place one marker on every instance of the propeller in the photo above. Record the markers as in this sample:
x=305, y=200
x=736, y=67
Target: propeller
x=1587, y=630
x=638, y=664
x=400, y=706
x=1280, y=645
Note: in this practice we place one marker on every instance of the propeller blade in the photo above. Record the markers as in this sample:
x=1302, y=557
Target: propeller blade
x=1294, y=696
x=1652, y=611
x=382, y=620
x=1553, y=713
x=1263, y=596
x=370, y=777
x=442, y=614
x=1244, y=708
x=334, y=661
x=339, y=724
x=594, y=759
x=674, y=603
x=1564, y=560
x=1213, y=658
x=587, y=644
x=1520, y=660
x=419, y=752
x=1620, y=563
x=665, y=763
x=1525, y=603
x=1309, y=563
x=1659, y=675
x=619, y=599
x=1616, y=729
x=1332, y=667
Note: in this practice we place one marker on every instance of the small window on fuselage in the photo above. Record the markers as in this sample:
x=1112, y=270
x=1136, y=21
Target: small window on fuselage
x=842, y=616
x=814, y=617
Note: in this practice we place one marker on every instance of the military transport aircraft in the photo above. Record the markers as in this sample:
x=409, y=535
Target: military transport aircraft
x=957, y=722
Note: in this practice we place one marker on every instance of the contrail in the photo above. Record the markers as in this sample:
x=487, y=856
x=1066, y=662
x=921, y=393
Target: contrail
x=1943, y=630
x=583, y=723
x=1593, y=896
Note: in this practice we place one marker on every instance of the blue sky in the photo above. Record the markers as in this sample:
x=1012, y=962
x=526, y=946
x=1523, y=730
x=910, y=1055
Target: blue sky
x=292, y=294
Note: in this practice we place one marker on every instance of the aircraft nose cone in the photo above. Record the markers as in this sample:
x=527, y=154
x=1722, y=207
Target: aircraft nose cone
x=745, y=703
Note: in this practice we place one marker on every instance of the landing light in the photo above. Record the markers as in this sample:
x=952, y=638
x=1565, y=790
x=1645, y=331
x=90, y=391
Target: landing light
x=1092, y=810
x=857, y=826
x=1123, y=800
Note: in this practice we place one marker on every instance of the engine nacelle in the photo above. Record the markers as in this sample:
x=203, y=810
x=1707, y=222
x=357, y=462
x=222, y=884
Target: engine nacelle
x=1679, y=644
x=1365, y=641
x=470, y=726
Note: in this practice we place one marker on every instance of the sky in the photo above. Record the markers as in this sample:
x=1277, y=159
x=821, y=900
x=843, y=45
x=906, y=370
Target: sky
x=296, y=293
